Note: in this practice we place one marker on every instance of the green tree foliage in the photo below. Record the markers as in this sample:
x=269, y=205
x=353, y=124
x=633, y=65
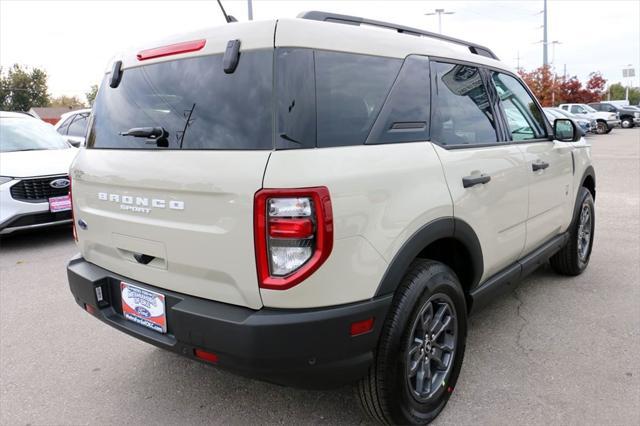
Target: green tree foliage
x=91, y=94
x=22, y=88
x=617, y=92
x=72, y=102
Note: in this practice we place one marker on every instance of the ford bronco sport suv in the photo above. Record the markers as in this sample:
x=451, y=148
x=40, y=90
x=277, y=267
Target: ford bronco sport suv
x=316, y=204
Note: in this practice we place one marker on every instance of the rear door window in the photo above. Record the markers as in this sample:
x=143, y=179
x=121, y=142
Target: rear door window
x=193, y=100
x=461, y=113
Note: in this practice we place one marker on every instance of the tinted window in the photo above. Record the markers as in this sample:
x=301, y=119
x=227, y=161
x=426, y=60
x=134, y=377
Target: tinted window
x=461, y=113
x=193, y=100
x=405, y=114
x=296, y=97
x=79, y=126
x=577, y=109
x=28, y=134
x=350, y=90
x=64, y=127
x=523, y=115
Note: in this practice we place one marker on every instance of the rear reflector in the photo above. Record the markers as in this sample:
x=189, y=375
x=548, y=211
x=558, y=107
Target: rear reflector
x=171, y=49
x=205, y=356
x=361, y=327
x=91, y=309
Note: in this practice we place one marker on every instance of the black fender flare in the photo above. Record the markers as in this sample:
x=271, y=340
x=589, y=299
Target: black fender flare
x=588, y=172
x=446, y=227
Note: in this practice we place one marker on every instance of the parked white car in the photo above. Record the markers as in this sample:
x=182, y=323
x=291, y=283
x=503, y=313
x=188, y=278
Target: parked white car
x=605, y=121
x=34, y=167
x=73, y=126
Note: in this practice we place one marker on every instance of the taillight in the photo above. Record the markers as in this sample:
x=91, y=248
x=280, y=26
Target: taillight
x=293, y=234
x=73, y=216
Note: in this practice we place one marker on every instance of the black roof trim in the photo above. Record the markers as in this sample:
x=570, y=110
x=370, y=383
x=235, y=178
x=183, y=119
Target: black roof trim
x=357, y=21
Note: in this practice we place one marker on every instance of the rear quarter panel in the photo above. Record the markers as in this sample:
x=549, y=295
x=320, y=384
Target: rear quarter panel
x=381, y=195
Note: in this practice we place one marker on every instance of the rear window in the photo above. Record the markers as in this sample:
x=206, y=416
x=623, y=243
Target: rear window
x=193, y=100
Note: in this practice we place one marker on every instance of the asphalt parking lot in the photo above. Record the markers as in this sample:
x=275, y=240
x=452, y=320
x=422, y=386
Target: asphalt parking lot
x=557, y=350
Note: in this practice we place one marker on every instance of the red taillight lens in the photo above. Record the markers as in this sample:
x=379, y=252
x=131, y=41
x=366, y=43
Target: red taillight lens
x=293, y=234
x=172, y=49
x=73, y=216
x=290, y=228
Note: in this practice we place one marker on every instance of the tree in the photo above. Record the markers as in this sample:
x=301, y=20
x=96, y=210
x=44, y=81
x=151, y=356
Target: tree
x=618, y=92
x=91, y=94
x=21, y=88
x=72, y=102
x=552, y=90
x=543, y=83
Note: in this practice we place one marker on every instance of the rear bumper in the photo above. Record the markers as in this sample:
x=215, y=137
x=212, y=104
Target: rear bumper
x=308, y=348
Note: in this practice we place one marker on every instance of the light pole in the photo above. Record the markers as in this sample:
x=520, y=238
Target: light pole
x=250, y=9
x=439, y=12
x=553, y=51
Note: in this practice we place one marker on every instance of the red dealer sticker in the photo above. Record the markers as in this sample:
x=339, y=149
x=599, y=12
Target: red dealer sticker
x=143, y=307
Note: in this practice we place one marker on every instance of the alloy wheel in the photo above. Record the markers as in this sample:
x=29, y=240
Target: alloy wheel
x=432, y=347
x=584, y=232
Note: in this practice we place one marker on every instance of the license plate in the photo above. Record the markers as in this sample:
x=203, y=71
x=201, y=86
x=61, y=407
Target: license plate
x=144, y=307
x=59, y=204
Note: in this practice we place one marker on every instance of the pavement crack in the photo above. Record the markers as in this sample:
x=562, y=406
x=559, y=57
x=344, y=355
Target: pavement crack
x=525, y=322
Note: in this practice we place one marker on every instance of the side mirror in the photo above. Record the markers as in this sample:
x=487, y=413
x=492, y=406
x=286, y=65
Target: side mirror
x=76, y=141
x=565, y=130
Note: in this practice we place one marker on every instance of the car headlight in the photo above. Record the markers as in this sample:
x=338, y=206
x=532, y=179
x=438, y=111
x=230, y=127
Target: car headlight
x=5, y=179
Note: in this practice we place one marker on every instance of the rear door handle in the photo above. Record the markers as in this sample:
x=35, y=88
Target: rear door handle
x=469, y=181
x=539, y=165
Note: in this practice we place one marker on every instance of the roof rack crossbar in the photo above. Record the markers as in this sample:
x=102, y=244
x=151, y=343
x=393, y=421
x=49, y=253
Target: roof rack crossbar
x=357, y=21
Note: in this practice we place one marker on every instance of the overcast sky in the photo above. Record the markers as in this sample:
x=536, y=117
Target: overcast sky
x=73, y=40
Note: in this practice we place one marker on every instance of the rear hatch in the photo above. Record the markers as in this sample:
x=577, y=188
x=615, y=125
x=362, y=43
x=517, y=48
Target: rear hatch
x=174, y=208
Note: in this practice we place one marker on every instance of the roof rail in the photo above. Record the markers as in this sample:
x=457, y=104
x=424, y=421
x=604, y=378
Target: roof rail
x=357, y=21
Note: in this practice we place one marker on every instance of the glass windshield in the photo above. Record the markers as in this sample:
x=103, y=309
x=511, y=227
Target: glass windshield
x=28, y=134
x=188, y=104
x=588, y=108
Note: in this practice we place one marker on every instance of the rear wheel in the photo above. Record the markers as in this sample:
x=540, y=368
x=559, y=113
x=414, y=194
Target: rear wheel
x=574, y=256
x=421, y=348
x=626, y=123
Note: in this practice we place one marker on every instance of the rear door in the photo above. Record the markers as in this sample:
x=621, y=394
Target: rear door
x=549, y=162
x=487, y=178
x=174, y=208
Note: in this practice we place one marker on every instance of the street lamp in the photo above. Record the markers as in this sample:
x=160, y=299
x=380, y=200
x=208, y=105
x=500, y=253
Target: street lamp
x=439, y=12
x=553, y=51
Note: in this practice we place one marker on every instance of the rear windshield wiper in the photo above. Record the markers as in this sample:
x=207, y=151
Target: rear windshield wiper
x=158, y=134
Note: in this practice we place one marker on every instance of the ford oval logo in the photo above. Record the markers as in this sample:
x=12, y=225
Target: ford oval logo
x=59, y=183
x=143, y=312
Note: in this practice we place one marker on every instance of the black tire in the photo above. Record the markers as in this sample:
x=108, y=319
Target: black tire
x=574, y=257
x=609, y=129
x=602, y=128
x=387, y=393
x=626, y=123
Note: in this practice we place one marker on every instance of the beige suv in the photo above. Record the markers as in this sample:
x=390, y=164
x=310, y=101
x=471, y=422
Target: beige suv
x=315, y=204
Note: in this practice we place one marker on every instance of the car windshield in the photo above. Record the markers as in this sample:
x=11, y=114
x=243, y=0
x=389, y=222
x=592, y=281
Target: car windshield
x=588, y=108
x=28, y=134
